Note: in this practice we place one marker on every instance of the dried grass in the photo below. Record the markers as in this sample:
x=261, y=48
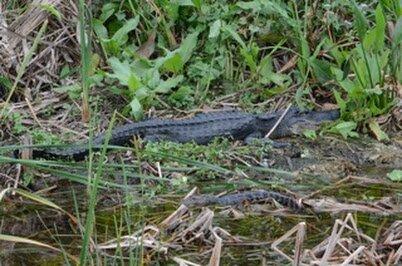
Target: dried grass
x=347, y=245
x=59, y=47
x=183, y=229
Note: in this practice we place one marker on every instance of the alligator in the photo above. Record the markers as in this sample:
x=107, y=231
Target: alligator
x=201, y=129
x=243, y=197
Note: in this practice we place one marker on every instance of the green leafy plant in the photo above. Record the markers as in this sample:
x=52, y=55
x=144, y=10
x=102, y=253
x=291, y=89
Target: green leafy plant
x=363, y=76
x=395, y=175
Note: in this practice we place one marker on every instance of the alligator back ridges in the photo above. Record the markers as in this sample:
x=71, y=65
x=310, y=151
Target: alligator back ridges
x=243, y=197
x=201, y=129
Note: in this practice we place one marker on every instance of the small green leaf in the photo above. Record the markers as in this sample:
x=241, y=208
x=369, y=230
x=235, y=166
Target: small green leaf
x=249, y=58
x=215, y=29
x=310, y=134
x=187, y=46
x=100, y=30
x=322, y=69
x=121, y=36
x=134, y=83
x=73, y=91
x=65, y=71
x=255, y=6
x=107, y=11
x=341, y=102
x=197, y=3
x=166, y=85
x=121, y=71
x=174, y=64
x=395, y=175
x=346, y=129
x=377, y=131
x=136, y=108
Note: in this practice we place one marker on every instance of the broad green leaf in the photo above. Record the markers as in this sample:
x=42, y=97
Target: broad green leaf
x=136, y=108
x=395, y=175
x=377, y=131
x=172, y=9
x=121, y=71
x=371, y=70
x=215, y=29
x=374, y=39
x=121, y=36
x=153, y=78
x=322, y=70
x=165, y=86
x=187, y=46
x=142, y=93
x=134, y=83
x=100, y=30
x=346, y=129
x=174, y=64
x=379, y=28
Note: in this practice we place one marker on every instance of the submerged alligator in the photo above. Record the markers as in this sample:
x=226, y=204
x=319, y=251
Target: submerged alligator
x=202, y=128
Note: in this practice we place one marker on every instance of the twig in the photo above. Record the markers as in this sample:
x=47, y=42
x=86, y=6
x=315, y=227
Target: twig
x=300, y=230
x=216, y=251
x=279, y=121
x=33, y=112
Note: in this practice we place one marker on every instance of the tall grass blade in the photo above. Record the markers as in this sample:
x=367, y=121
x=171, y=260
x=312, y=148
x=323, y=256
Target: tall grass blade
x=93, y=192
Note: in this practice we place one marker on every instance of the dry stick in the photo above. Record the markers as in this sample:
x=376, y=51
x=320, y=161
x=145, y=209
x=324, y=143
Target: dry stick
x=24, y=64
x=352, y=256
x=279, y=121
x=216, y=251
x=33, y=112
x=300, y=230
